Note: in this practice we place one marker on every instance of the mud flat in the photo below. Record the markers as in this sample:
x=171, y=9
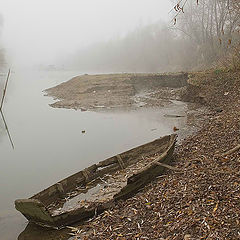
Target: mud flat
x=109, y=91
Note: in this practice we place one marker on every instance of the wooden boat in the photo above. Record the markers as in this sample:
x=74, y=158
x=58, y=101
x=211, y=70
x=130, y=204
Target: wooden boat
x=96, y=188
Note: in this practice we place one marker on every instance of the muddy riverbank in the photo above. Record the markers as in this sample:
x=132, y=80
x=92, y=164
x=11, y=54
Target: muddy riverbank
x=128, y=91
x=111, y=91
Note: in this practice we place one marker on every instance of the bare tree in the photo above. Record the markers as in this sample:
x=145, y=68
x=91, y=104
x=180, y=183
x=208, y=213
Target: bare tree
x=210, y=24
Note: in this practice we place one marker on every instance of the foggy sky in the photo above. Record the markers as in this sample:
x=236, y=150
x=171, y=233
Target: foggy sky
x=41, y=31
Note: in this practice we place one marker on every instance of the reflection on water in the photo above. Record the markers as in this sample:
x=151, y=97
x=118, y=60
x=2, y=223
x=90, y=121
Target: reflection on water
x=6, y=129
x=2, y=129
x=49, y=144
x=34, y=232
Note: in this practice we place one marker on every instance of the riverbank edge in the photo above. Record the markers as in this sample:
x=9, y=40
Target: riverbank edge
x=202, y=202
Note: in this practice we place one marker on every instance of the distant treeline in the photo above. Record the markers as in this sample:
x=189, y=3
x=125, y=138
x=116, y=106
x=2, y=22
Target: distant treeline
x=153, y=48
x=202, y=35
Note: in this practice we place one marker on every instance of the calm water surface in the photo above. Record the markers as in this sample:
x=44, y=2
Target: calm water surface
x=49, y=144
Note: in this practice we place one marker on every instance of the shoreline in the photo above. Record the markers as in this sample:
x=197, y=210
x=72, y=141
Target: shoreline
x=203, y=201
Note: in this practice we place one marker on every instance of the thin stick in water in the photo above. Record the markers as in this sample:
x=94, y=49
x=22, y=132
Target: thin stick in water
x=5, y=89
x=5, y=123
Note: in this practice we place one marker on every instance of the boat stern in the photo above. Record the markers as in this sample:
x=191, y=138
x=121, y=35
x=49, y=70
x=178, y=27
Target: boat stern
x=34, y=211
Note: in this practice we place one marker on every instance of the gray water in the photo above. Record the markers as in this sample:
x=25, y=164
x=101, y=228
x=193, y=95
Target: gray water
x=50, y=145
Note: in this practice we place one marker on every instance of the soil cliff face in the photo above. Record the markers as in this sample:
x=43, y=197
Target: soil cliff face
x=215, y=89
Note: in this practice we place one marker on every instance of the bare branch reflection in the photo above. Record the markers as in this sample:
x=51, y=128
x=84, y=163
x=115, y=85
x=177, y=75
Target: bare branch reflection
x=1, y=107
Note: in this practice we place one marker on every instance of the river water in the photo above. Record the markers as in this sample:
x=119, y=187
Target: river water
x=50, y=145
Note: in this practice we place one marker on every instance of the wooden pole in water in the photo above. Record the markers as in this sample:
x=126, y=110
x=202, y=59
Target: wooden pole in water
x=5, y=123
x=5, y=89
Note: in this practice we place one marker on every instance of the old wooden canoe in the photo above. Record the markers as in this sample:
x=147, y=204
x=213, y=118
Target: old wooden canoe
x=94, y=189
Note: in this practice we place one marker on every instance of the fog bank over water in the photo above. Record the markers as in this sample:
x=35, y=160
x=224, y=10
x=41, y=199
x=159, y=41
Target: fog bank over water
x=151, y=48
x=42, y=32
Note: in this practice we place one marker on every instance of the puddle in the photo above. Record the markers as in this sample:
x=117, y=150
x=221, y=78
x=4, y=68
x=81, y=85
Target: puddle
x=77, y=200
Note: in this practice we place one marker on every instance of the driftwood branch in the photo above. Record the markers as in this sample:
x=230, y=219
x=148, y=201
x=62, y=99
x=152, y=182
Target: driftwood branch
x=232, y=150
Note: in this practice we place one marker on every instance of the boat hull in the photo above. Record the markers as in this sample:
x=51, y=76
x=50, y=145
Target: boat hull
x=36, y=209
